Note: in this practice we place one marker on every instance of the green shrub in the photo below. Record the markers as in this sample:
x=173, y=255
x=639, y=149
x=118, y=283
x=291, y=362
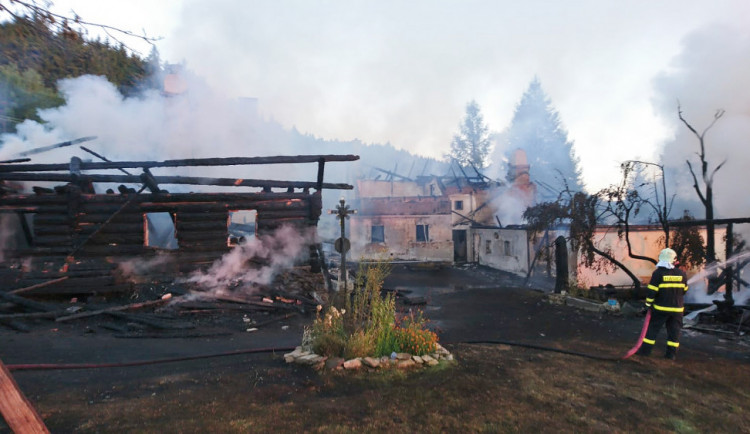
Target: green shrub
x=367, y=323
x=359, y=344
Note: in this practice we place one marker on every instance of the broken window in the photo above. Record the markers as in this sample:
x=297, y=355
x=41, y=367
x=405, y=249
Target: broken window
x=458, y=205
x=377, y=234
x=241, y=226
x=507, y=246
x=159, y=230
x=423, y=233
x=488, y=247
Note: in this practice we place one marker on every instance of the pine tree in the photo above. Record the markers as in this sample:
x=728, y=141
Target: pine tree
x=536, y=128
x=472, y=144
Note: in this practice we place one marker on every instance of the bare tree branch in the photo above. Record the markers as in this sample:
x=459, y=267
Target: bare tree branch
x=35, y=9
x=695, y=183
x=711, y=178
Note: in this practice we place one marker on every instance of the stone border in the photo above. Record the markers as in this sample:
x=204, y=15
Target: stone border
x=398, y=360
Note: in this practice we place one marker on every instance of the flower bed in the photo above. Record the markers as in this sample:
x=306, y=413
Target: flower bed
x=397, y=360
x=361, y=327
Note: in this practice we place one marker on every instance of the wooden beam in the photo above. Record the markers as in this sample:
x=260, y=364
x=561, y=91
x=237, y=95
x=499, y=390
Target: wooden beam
x=132, y=306
x=38, y=285
x=16, y=409
x=189, y=162
x=166, y=180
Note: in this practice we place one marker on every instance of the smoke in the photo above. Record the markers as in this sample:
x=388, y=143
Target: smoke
x=712, y=72
x=135, y=269
x=151, y=126
x=509, y=208
x=256, y=261
x=698, y=283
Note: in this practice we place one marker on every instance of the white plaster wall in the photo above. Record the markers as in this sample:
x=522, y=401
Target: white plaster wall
x=644, y=242
x=400, y=238
x=491, y=250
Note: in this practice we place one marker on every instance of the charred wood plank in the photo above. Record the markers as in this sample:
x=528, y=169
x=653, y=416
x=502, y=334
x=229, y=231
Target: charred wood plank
x=183, y=217
x=51, y=219
x=83, y=290
x=117, y=238
x=71, y=282
x=44, y=229
x=15, y=325
x=41, y=209
x=132, y=306
x=53, y=240
x=173, y=180
x=152, y=322
x=30, y=304
x=33, y=315
x=35, y=199
x=204, y=246
x=219, y=224
x=217, y=236
x=231, y=161
x=86, y=228
x=38, y=285
x=125, y=205
x=122, y=218
x=55, y=146
x=118, y=250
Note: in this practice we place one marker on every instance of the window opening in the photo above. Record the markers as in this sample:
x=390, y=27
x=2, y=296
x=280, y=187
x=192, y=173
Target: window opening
x=423, y=233
x=377, y=234
x=241, y=225
x=458, y=205
x=159, y=230
x=508, y=252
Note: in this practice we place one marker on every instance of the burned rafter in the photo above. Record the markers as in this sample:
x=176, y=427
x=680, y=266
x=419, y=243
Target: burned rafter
x=392, y=174
x=189, y=162
x=55, y=146
x=185, y=180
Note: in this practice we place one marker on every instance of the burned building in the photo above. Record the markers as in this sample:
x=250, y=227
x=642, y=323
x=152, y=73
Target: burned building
x=429, y=218
x=74, y=230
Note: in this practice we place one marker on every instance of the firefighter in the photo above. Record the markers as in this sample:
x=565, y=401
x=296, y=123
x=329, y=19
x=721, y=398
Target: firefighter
x=666, y=292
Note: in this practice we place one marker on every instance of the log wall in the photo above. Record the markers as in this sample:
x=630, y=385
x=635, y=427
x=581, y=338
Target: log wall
x=93, y=227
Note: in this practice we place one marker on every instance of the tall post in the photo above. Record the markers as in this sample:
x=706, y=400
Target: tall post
x=561, y=264
x=729, y=269
x=342, y=245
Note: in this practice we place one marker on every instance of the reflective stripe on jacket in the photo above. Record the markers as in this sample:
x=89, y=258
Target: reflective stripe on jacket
x=667, y=290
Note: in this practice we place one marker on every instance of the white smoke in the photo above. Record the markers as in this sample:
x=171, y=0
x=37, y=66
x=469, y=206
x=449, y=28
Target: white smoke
x=151, y=126
x=711, y=73
x=137, y=269
x=255, y=262
x=509, y=208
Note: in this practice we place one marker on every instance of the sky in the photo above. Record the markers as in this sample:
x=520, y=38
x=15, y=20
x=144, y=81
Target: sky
x=402, y=72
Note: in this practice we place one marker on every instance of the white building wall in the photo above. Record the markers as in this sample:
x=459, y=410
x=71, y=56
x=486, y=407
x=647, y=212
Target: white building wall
x=645, y=242
x=502, y=249
x=401, y=238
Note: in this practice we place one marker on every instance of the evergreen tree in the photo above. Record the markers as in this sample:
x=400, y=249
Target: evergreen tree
x=536, y=129
x=22, y=93
x=472, y=144
x=37, y=50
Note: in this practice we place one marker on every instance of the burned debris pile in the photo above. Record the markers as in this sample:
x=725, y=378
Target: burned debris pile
x=90, y=248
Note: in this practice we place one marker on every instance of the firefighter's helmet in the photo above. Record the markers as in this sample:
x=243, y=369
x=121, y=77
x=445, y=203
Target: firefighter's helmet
x=668, y=256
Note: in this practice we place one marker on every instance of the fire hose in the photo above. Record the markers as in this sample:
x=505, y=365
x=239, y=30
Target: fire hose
x=52, y=366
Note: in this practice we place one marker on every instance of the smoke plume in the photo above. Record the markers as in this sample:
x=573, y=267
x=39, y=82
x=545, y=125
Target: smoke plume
x=255, y=262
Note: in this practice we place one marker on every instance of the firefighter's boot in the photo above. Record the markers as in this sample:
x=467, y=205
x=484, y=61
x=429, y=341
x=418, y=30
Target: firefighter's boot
x=671, y=353
x=645, y=349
